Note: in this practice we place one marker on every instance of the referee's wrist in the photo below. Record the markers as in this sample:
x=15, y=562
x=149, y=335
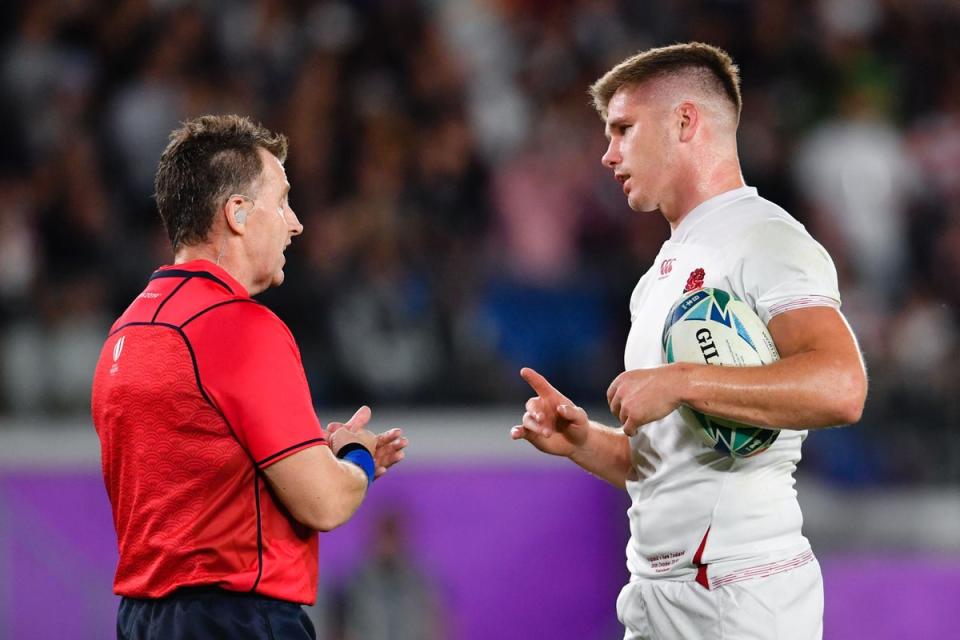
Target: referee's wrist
x=356, y=453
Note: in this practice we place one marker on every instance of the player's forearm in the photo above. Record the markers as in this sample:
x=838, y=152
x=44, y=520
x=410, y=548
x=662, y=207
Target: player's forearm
x=605, y=454
x=806, y=390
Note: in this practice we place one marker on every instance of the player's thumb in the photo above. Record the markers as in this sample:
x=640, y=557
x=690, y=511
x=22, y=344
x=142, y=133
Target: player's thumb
x=360, y=418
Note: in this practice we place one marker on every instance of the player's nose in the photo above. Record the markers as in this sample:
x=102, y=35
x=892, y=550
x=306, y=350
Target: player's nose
x=611, y=158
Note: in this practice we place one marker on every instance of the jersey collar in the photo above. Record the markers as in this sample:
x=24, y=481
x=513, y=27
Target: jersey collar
x=707, y=207
x=205, y=268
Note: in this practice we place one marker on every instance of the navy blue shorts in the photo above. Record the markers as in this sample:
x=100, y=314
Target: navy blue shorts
x=204, y=613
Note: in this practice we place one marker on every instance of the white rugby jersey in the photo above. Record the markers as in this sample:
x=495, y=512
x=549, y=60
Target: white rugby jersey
x=754, y=249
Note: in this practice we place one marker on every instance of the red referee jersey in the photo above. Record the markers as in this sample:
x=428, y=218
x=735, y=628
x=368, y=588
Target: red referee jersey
x=197, y=390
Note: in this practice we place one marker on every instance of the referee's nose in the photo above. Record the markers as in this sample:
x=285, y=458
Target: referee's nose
x=293, y=222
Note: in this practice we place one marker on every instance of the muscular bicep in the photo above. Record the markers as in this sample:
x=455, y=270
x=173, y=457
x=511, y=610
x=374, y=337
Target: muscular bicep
x=317, y=489
x=814, y=329
x=822, y=336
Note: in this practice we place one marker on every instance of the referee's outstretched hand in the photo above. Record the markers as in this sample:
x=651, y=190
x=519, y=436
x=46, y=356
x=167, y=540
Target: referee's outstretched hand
x=552, y=422
x=389, y=445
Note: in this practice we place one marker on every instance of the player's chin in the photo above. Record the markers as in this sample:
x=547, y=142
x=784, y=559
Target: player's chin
x=640, y=205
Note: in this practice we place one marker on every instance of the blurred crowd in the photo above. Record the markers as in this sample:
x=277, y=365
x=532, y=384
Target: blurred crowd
x=445, y=163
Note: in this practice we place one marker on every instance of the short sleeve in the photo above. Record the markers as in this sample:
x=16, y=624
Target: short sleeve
x=784, y=268
x=250, y=367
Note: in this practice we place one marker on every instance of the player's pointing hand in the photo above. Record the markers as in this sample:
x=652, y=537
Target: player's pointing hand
x=552, y=422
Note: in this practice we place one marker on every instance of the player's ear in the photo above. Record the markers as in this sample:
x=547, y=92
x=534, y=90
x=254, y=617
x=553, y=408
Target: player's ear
x=687, y=119
x=235, y=211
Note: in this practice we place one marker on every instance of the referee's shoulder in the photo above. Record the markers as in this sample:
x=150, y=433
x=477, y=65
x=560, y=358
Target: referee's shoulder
x=240, y=315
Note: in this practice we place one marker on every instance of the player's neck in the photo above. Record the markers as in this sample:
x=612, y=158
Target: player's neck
x=699, y=186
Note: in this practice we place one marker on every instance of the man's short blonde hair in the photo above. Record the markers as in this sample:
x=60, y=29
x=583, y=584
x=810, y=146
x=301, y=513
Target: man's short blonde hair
x=712, y=67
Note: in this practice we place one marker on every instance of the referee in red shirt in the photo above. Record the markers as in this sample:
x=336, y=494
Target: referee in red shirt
x=218, y=471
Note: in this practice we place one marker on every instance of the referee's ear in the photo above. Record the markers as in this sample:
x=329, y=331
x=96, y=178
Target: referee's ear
x=234, y=212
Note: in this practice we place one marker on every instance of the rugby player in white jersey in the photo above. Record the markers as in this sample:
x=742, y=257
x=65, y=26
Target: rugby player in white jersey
x=716, y=549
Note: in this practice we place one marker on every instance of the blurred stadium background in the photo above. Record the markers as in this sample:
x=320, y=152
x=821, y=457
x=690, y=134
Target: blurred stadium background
x=445, y=164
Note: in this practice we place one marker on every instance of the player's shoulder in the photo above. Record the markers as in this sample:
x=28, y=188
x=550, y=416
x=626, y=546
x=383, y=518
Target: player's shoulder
x=727, y=218
x=773, y=250
x=754, y=212
x=755, y=222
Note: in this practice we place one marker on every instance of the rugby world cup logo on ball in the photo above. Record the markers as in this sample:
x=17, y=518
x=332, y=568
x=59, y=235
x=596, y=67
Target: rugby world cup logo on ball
x=711, y=326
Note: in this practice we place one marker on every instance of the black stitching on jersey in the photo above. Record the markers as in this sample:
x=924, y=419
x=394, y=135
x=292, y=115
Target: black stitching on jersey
x=196, y=373
x=290, y=448
x=129, y=324
x=256, y=474
x=170, y=295
x=183, y=273
x=203, y=392
x=256, y=490
x=193, y=358
x=214, y=306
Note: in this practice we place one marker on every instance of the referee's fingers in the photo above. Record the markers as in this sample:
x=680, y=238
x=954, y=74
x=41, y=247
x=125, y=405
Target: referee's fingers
x=360, y=418
x=392, y=435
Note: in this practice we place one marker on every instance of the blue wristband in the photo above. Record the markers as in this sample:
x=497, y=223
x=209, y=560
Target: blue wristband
x=359, y=455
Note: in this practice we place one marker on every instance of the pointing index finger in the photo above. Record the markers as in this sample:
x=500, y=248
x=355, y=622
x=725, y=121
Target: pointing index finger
x=540, y=384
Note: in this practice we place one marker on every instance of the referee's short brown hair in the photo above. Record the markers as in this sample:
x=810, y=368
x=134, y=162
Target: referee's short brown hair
x=208, y=159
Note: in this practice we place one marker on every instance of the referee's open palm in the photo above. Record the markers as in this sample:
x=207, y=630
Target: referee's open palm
x=552, y=422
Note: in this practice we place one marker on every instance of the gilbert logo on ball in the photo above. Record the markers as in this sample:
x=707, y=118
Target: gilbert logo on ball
x=711, y=326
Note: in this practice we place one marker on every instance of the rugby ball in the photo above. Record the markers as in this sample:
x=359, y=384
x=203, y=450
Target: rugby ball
x=711, y=326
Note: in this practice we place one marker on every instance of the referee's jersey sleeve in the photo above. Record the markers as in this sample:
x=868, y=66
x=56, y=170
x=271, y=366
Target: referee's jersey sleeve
x=250, y=368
